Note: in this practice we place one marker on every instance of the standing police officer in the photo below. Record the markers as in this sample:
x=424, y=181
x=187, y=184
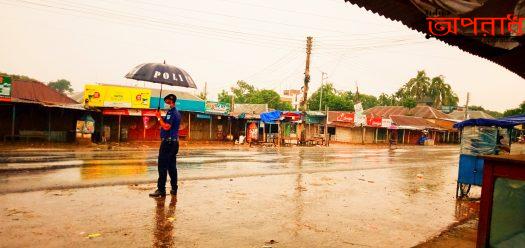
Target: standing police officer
x=169, y=147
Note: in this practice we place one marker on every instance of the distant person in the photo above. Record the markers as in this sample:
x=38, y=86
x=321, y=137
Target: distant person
x=169, y=147
x=423, y=138
x=392, y=141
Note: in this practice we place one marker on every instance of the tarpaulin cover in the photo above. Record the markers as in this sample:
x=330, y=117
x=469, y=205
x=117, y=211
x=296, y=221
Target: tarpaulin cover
x=477, y=140
x=506, y=122
x=516, y=118
x=270, y=117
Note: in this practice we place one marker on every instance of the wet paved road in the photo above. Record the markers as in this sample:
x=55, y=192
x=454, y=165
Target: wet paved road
x=315, y=197
x=70, y=169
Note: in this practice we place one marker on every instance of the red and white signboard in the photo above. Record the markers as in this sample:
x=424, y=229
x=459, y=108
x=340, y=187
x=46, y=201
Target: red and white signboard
x=374, y=121
x=345, y=117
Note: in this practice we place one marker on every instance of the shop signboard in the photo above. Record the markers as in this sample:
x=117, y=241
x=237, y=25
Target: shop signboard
x=345, y=117
x=217, y=107
x=374, y=121
x=116, y=96
x=5, y=88
x=360, y=118
x=386, y=123
x=203, y=116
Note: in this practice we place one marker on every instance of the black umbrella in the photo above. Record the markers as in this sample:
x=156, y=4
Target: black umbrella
x=163, y=74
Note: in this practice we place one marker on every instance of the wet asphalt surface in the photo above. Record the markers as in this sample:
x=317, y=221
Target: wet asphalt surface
x=231, y=197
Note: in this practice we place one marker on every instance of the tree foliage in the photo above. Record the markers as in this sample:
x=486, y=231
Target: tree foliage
x=422, y=88
x=202, y=95
x=61, y=86
x=515, y=111
x=331, y=98
x=17, y=77
x=247, y=93
x=495, y=114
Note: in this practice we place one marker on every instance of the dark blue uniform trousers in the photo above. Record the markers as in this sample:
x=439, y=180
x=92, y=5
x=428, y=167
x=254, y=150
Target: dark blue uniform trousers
x=167, y=164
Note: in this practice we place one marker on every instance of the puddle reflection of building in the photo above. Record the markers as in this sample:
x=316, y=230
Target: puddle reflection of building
x=163, y=233
x=101, y=169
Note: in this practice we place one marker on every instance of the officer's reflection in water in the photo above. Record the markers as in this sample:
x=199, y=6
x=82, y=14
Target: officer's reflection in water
x=163, y=234
x=169, y=147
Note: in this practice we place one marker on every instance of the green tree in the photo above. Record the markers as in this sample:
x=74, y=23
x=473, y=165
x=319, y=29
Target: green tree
x=246, y=93
x=386, y=100
x=408, y=102
x=61, y=86
x=224, y=96
x=515, y=111
x=441, y=93
x=202, y=95
x=416, y=88
x=332, y=98
x=242, y=90
x=368, y=101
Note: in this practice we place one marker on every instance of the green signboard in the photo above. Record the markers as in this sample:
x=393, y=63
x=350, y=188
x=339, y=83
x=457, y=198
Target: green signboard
x=217, y=108
x=5, y=87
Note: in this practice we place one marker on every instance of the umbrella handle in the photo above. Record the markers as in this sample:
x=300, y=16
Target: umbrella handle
x=160, y=97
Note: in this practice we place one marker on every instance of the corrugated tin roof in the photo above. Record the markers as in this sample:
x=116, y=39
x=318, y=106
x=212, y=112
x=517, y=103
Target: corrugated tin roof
x=408, y=14
x=427, y=112
x=386, y=111
x=473, y=114
x=38, y=92
x=249, y=109
x=416, y=122
x=418, y=111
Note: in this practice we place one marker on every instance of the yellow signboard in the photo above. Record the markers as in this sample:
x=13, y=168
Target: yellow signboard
x=116, y=96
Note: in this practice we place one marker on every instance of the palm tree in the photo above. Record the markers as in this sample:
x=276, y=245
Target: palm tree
x=441, y=93
x=416, y=88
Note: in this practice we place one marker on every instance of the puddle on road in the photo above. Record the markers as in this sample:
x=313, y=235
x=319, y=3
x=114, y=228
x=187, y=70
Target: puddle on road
x=191, y=163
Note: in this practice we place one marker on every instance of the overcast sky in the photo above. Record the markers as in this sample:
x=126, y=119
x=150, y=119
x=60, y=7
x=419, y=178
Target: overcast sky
x=222, y=41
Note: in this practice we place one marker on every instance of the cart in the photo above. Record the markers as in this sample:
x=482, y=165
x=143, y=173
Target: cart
x=481, y=137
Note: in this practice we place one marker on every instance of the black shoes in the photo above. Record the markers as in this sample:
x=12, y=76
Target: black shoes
x=157, y=193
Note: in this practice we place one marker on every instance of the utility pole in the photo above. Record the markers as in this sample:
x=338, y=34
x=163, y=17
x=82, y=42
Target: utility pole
x=307, y=72
x=305, y=87
x=321, y=90
x=466, y=106
x=326, y=135
x=205, y=90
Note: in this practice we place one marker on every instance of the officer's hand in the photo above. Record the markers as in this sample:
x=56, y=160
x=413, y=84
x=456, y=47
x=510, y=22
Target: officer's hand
x=157, y=114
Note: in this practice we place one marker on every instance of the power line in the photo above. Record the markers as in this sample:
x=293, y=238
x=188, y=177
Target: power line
x=166, y=26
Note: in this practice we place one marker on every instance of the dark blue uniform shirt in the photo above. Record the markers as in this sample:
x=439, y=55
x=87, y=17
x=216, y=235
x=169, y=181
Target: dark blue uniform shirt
x=173, y=118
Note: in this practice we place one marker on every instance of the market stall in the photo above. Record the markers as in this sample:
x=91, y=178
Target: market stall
x=482, y=137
